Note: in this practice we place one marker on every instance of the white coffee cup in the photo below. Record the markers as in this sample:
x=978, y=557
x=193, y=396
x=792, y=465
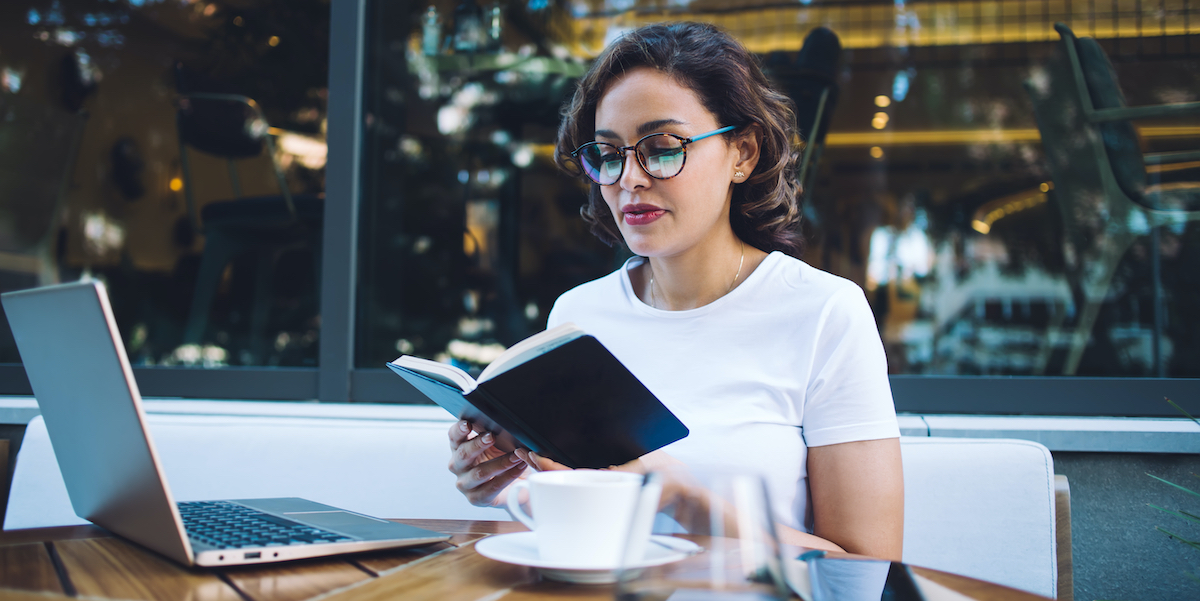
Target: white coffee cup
x=585, y=518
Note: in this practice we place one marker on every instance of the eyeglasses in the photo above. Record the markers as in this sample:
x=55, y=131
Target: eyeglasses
x=661, y=155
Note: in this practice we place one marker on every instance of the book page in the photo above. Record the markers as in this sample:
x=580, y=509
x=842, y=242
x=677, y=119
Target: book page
x=442, y=372
x=534, y=346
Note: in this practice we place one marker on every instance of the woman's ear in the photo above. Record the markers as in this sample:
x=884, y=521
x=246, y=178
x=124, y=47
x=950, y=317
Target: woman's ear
x=748, y=145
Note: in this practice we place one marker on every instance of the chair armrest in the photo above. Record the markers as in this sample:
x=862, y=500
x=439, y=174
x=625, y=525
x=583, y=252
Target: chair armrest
x=1062, y=519
x=1166, y=158
x=1127, y=113
x=238, y=98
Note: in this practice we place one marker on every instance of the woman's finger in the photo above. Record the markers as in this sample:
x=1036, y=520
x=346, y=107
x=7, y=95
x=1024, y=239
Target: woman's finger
x=459, y=433
x=472, y=479
x=539, y=463
x=485, y=494
x=468, y=453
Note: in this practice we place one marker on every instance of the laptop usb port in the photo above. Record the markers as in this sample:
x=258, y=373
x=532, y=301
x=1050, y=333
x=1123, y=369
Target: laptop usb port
x=253, y=555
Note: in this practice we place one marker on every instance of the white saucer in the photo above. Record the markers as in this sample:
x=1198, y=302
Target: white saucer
x=520, y=548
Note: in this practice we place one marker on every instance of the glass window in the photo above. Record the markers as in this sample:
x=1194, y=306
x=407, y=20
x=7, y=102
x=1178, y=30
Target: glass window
x=175, y=150
x=468, y=231
x=935, y=188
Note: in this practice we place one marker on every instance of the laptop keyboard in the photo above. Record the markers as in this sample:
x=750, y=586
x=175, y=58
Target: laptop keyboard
x=226, y=525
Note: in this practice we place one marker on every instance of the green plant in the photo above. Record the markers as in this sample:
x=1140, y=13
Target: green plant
x=1186, y=516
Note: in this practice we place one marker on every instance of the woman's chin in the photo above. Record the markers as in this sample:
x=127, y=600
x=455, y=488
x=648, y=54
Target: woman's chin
x=642, y=248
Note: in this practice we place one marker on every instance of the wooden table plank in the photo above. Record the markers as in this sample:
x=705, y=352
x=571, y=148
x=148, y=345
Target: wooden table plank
x=28, y=567
x=113, y=569
x=549, y=589
x=9, y=594
x=295, y=580
x=456, y=575
x=37, y=535
x=976, y=589
x=466, y=526
x=459, y=540
x=383, y=562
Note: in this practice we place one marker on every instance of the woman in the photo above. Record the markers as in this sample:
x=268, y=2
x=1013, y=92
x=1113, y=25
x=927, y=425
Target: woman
x=776, y=367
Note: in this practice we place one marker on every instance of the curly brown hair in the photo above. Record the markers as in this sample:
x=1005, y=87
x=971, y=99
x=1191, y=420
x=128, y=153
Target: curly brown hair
x=730, y=84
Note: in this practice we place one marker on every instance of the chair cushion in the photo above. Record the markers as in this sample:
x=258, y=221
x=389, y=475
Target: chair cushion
x=982, y=508
x=219, y=127
x=386, y=468
x=816, y=70
x=1120, y=137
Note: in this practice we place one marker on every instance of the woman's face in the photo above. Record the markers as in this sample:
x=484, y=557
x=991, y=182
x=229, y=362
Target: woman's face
x=663, y=218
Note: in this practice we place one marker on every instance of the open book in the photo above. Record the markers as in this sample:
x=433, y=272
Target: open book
x=558, y=393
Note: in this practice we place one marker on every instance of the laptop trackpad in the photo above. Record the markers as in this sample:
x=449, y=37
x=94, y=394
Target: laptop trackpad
x=344, y=521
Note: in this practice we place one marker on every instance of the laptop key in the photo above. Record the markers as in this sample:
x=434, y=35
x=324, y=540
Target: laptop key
x=228, y=525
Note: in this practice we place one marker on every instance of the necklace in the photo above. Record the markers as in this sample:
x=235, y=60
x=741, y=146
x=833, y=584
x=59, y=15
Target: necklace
x=741, y=262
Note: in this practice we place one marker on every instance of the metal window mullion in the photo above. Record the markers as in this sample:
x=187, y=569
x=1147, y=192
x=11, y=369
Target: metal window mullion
x=339, y=266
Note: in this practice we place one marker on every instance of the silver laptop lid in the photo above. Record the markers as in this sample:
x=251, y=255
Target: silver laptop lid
x=76, y=364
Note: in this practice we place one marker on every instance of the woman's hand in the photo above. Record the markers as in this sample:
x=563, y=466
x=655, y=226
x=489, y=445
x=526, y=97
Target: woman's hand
x=539, y=463
x=654, y=461
x=483, y=470
x=650, y=462
x=677, y=480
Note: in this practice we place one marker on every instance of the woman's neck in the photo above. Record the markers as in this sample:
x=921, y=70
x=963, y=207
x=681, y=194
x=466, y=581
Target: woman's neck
x=695, y=279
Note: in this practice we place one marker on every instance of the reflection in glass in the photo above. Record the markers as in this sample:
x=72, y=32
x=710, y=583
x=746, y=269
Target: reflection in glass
x=738, y=556
x=932, y=188
x=846, y=579
x=469, y=233
x=93, y=183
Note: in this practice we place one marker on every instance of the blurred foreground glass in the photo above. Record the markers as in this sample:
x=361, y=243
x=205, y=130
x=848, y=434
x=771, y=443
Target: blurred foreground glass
x=739, y=555
x=816, y=577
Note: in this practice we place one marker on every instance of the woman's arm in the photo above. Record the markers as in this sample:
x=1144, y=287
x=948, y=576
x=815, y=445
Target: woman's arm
x=858, y=496
x=791, y=536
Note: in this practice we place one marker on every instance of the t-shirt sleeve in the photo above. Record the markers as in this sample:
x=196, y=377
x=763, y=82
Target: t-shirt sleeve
x=849, y=397
x=556, y=313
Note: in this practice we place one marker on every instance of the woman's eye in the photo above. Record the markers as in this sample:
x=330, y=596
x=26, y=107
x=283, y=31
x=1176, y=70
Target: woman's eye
x=664, y=151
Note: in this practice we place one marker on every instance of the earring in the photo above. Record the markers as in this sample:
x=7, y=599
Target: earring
x=739, y=174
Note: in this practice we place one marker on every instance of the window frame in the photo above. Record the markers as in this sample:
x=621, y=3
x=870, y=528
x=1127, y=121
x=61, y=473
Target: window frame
x=336, y=379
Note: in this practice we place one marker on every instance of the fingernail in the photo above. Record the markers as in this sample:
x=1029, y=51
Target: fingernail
x=514, y=459
x=462, y=426
x=534, y=456
x=487, y=438
x=522, y=454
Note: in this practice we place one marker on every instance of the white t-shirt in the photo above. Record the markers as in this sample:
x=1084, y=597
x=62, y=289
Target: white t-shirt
x=789, y=359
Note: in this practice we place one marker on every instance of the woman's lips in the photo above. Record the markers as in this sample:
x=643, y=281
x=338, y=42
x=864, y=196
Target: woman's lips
x=642, y=214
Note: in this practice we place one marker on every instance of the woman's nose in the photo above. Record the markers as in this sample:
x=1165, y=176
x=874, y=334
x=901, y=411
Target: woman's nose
x=633, y=176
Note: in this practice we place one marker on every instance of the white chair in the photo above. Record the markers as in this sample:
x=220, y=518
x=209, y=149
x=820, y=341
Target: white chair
x=983, y=508
x=387, y=468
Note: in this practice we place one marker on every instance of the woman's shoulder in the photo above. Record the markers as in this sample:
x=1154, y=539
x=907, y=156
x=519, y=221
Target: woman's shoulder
x=807, y=281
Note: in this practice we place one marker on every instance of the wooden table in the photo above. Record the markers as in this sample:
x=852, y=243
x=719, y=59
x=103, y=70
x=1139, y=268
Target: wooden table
x=86, y=561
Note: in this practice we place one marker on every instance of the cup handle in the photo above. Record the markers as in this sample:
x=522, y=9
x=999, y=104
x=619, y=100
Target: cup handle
x=514, y=504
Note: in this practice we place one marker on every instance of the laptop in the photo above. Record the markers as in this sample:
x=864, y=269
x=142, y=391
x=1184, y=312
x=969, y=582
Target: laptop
x=84, y=385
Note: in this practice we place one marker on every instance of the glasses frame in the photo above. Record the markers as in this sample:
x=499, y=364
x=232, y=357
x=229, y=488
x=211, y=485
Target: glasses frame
x=641, y=160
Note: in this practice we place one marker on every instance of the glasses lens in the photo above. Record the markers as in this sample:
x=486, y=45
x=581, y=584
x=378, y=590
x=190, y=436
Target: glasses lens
x=661, y=155
x=602, y=162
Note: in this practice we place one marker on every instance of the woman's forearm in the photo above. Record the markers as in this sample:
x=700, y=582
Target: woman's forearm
x=791, y=536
